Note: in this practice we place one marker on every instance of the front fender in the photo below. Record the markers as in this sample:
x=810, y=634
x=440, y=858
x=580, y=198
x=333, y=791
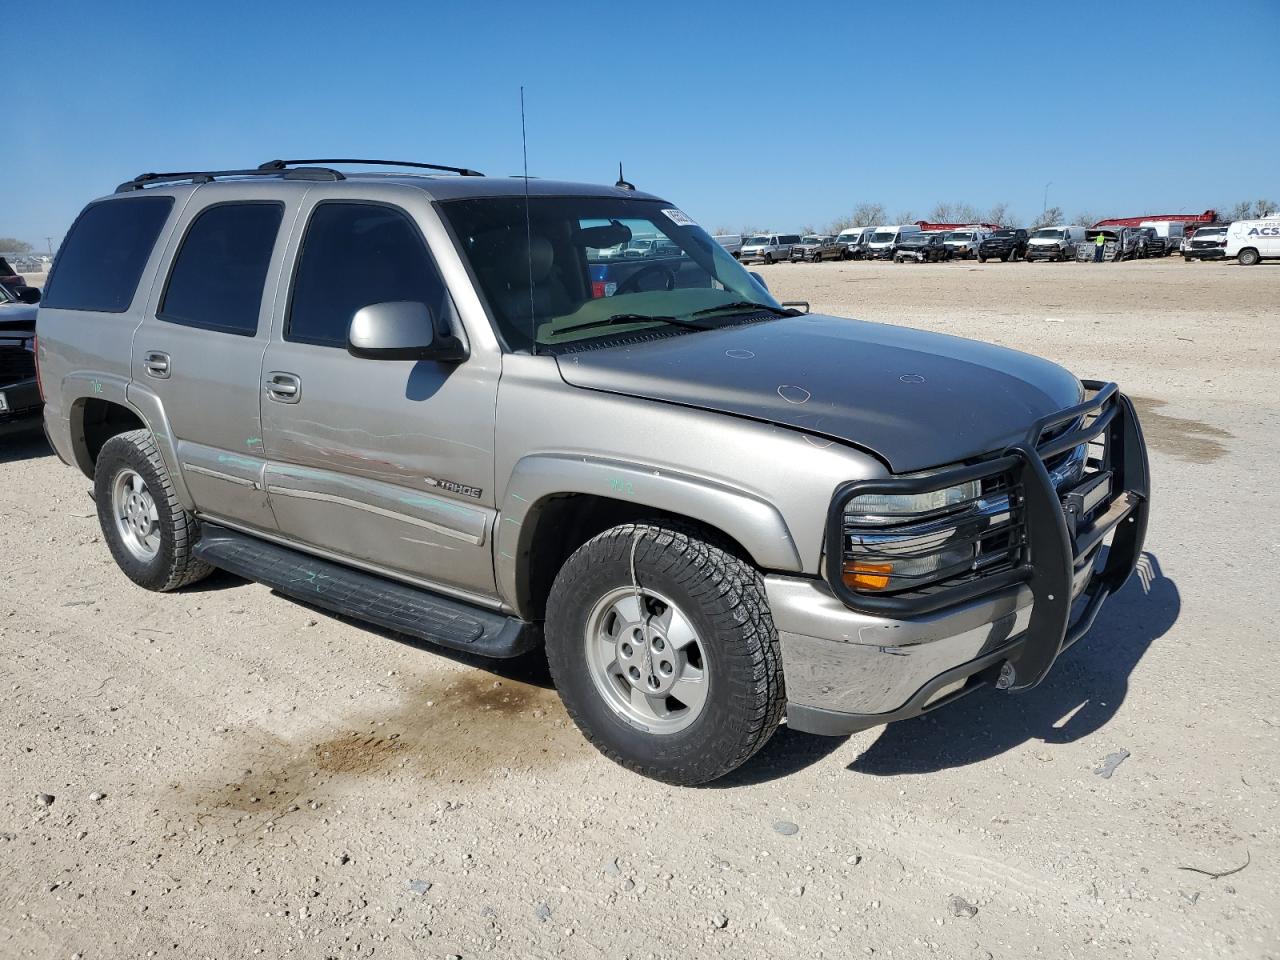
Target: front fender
x=752, y=521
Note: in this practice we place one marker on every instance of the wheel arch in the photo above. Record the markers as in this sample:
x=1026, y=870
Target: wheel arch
x=553, y=504
x=104, y=408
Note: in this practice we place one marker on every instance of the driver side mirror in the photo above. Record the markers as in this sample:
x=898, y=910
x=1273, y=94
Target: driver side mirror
x=400, y=330
x=29, y=295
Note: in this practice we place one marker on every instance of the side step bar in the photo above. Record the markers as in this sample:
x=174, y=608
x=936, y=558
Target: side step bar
x=368, y=597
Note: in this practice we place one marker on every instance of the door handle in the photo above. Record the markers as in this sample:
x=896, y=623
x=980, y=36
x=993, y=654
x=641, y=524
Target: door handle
x=284, y=387
x=156, y=364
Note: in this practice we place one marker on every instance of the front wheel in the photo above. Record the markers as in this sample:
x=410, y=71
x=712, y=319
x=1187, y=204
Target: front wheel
x=664, y=652
x=150, y=535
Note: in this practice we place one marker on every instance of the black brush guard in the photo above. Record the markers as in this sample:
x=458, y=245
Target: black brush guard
x=1054, y=536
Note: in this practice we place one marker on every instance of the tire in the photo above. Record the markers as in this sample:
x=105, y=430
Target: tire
x=768, y=258
x=734, y=649
x=982, y=259
x=1248, y=257
x=153, y=539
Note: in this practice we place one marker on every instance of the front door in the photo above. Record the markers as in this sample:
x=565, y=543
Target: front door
x=387, y=464
x=199, y=347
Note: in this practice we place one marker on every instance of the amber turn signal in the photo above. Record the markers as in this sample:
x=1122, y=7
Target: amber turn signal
x=867, y=576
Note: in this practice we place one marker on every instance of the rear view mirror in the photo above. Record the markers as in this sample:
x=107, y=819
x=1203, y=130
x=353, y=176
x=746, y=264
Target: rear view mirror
x=599, y=238
x=400, y=330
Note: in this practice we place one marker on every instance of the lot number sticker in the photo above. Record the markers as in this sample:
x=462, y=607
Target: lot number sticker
x=679, y=218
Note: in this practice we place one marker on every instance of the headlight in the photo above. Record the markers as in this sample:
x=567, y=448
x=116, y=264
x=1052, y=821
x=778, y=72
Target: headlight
x=895, y=542
x=873, y=509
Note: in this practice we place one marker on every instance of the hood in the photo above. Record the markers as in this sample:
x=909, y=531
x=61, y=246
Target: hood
x=17, y=317
x=914, y=399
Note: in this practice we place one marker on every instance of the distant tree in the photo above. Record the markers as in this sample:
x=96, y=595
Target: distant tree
x=1047, y=218
x=905, y=216
x=943, y=212
x=1000, y=213
x=1085, y=219
x=840, y=223
x=1244, y=210
x=11, y=245
x=867, y=215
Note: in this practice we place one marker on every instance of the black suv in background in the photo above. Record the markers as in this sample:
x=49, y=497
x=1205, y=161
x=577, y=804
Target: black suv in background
x=1005, y=244
x=19, y=394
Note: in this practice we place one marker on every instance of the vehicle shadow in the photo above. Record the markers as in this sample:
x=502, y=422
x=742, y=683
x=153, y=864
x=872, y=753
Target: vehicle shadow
x=1081, y=694
x=23, y=441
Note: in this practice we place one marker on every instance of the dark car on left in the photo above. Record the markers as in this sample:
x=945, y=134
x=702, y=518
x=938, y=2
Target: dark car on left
x=19, y=393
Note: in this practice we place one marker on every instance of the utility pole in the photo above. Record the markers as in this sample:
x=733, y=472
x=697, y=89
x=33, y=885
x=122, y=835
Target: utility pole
x=1046, y=196
x=48, y=243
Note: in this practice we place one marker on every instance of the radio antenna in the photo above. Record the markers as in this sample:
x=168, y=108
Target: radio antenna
x=528, y=231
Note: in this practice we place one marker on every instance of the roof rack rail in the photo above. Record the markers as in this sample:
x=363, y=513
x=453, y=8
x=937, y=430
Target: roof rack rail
x=461, y=171
x=208, y=176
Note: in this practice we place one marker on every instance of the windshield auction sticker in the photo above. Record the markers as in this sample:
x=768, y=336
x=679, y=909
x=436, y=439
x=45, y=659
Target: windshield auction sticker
x=679, y=218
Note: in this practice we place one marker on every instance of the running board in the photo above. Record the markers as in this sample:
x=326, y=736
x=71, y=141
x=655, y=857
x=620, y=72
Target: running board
x=366, y=596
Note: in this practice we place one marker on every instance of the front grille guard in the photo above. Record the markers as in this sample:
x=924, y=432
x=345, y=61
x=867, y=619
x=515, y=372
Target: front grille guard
x=1051, y=545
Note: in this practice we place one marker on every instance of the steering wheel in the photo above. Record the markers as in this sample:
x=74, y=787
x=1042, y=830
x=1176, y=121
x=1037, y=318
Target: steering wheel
x=632, y=283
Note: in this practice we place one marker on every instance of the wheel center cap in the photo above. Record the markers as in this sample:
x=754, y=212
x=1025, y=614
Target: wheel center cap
x=650, y=665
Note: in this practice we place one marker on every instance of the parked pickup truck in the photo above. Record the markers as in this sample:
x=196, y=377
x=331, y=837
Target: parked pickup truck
x=705, y=508
x=815, y=249
x=1007, y=243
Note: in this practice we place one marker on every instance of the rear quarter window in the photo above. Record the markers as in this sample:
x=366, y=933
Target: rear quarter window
x=104, y=254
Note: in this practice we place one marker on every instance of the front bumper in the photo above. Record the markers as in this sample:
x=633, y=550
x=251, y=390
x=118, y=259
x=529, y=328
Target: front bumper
x=1205, y=253
x=857, y=661
x=22, y=400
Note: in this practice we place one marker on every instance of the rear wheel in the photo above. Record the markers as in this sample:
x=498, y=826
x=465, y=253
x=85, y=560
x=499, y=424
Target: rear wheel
x=664, y=652
x=1248, y=257
x=150, y=535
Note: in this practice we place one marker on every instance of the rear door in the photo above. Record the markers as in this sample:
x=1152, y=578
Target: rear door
x=200, y=345
x=386, y=464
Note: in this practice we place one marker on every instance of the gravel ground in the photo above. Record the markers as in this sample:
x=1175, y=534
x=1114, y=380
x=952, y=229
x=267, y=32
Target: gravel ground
x=225, y=773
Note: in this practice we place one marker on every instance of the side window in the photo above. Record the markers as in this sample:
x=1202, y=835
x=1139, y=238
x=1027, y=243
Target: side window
x=355, y=254
x=104, y=254
x=219, y=272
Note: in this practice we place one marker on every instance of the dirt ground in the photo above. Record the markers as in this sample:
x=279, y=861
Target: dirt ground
x=236, y=775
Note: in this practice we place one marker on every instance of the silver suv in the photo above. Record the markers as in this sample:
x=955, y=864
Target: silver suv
x=427, y=401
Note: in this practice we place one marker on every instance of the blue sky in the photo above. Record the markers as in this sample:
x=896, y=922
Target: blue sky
x=777, y=114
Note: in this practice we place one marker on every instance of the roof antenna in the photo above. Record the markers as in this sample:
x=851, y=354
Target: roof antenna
x=528, y=232
x=622, y=184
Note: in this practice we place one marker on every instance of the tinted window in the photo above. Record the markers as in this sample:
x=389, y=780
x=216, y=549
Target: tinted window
x=217, y=277
x=355, y=254
x=103, y=256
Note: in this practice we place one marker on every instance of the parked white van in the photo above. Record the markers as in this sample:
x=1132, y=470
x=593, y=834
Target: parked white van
x=885, y=236
x=1251, y=241
x=1054, y=243
x=767, y=247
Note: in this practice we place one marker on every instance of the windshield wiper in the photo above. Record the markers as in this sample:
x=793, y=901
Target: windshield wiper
x=741, y=305
x=634, y=318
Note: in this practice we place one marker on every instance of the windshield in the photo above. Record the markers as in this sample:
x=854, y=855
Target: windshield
x=849, y=237
x=881, y=236
x=546, y=275
x=811, y=239
x=1049, y=234
x=757, y=242
x=1005, y=233
x=1210, y=232
x=960, y=235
